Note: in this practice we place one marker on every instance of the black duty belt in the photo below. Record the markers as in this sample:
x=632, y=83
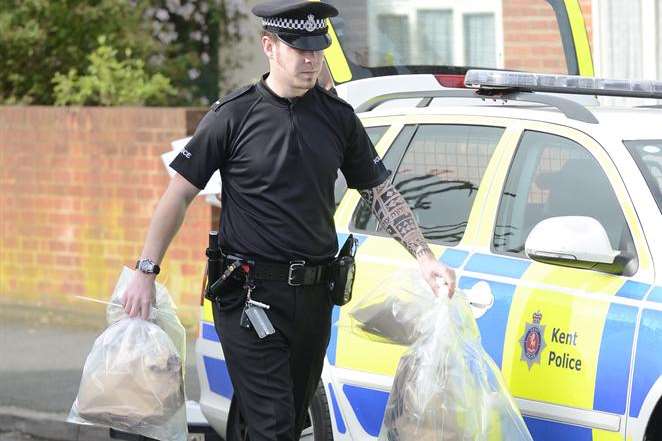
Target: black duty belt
x=295, y=273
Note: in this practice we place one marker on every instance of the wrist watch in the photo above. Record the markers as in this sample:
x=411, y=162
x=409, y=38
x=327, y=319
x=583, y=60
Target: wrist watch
x=147, y=266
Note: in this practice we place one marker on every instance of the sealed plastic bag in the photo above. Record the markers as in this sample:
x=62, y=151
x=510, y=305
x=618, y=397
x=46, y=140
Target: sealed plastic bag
x=133, y=377
x=385, y=316
x=446, y=387
x=164, y=314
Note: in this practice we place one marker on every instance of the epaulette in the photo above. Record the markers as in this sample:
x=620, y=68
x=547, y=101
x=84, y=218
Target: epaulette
x=334, y=96
x=231, y=96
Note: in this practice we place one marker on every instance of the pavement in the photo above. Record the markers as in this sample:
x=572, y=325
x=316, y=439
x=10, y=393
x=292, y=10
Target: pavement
x=42, y=356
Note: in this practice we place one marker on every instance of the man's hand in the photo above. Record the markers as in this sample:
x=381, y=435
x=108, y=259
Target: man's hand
x=432, y=270
x=140, y=295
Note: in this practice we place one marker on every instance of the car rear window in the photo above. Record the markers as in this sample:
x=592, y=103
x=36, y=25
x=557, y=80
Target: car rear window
x=647, y=154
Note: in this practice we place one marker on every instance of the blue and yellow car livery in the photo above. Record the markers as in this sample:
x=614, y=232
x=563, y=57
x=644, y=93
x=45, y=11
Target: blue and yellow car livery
x=577, y=348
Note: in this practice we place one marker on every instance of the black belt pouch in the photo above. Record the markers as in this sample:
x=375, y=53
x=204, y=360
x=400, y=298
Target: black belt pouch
x=342, y=270
x=214, y=263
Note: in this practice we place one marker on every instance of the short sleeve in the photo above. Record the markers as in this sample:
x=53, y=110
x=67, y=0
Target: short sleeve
x=362, y=166
x=204, y=153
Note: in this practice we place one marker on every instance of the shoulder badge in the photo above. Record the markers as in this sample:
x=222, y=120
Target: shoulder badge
x=334, y=96
x=231, y=96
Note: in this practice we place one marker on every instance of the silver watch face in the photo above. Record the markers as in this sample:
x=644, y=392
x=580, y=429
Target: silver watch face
x=146, y=266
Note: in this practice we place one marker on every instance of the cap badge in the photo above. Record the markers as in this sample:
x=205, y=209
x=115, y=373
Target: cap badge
x=310, y=23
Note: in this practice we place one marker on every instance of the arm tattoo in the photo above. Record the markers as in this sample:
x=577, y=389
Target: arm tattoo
x=393, y=212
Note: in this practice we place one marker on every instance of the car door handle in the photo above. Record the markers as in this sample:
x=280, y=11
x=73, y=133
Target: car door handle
x=480, y=298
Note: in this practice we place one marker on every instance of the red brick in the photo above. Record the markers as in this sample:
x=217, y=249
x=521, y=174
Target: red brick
x=78, y=195
x=531, y=35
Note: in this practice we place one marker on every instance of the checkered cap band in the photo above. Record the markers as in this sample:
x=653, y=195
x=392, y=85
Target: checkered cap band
x=310, y=25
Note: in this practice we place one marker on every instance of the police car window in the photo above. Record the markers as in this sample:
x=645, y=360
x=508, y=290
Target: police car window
x=375, y=134
x=363, y=218
x=439, y=176
x=554, y=176
x=648, y=156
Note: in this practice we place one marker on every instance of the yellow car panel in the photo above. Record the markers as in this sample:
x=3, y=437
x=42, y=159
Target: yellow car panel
x=605, y=435
x=354, y=351
x=574, y=308
x=376, y=259
x=571, y=307
x=476, y=233
x=568, y=363
x=207, y=315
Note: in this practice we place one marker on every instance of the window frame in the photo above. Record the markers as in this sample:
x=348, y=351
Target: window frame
x=500, y=191
x=645, y=171
x=460, y=122
x=339, y=197
x=352, y=225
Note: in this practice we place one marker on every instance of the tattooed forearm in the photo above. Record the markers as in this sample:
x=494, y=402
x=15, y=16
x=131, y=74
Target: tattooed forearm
x=394, y=214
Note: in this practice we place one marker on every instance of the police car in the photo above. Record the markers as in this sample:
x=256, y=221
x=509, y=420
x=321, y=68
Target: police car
x=549, y=209
x=547, y=204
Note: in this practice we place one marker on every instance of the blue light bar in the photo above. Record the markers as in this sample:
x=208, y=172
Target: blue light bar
x=573, y=84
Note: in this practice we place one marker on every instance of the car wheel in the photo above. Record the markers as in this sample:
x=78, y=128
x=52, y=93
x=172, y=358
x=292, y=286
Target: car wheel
x=320, y=419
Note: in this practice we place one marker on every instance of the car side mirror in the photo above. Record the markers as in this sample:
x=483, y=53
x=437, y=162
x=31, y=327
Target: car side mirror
x=574, y=241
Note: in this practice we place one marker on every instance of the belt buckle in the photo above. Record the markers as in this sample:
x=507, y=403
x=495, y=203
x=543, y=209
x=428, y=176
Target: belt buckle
x=294, y=265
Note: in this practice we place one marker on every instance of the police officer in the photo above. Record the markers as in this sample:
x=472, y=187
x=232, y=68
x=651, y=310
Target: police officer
x=279, y=145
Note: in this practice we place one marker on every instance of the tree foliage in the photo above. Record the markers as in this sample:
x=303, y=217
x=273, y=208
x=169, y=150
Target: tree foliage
x=39, y=38
x=192, y=31
x=179, y=39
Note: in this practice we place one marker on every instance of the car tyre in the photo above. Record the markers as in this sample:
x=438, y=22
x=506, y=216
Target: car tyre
x=320, y=416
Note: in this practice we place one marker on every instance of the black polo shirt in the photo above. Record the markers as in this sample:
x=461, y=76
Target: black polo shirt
x=279, y=160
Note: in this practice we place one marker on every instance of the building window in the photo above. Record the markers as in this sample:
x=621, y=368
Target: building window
x=393, y=40
x=621, y=38
x=435, y=34
x=479, y=40
x=658, y=31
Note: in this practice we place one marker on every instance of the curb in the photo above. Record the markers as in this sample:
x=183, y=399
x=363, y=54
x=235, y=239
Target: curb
x=50, y=426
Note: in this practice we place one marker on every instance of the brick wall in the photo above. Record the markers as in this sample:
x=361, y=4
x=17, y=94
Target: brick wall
x=531, y=36
x=77, y=190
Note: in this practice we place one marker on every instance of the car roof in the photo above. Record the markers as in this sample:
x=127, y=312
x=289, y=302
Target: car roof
x=622, y=122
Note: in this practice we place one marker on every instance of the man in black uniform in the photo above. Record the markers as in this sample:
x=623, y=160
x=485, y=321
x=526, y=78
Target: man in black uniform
x=279, y=145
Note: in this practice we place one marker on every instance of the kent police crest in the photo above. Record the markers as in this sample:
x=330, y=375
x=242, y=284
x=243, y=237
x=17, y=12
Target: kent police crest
x=533, y=340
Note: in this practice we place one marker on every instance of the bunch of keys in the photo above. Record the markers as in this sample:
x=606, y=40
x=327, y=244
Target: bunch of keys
x=253, y=313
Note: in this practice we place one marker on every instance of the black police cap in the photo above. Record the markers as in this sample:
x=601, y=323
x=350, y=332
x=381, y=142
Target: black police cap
x=299, y=24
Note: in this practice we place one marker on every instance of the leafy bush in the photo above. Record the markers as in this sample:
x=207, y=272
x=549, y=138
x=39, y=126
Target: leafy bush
x=109, y=81
x=39, y=38
x=178, y=39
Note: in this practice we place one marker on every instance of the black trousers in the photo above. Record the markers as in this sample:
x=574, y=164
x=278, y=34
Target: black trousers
x=274, y=378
